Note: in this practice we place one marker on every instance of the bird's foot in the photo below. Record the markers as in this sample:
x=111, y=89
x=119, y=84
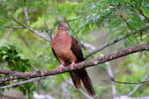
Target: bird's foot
x=60, y=68
x=72, y=64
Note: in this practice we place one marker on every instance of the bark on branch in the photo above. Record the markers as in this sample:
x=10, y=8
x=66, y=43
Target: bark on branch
x=12, y=75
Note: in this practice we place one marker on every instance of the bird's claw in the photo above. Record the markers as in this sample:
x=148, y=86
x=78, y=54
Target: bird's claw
x=61, y=67
x=72, y=64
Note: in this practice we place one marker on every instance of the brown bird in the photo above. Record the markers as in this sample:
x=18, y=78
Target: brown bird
x=68, y=52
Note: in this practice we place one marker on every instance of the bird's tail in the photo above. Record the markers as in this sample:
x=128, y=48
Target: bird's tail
x=81, y=75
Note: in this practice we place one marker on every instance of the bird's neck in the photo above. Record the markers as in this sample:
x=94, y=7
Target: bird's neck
x=62, y=32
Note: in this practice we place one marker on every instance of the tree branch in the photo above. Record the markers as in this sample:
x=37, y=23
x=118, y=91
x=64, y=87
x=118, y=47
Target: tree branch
x=124, y=82
x=40, y=34
x=26, y=15
x=22, y=82
x=84, y=64
x=137, y=86
x=111, y=75
x=117, y=40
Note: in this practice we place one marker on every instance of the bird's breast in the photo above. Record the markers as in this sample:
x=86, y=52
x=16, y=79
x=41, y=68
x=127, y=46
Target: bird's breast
x=62, y=48
x=61, y=42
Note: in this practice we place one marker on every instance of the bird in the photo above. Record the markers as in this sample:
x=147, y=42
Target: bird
x=68, y=52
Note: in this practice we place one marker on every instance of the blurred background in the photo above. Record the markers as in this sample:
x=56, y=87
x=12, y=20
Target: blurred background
x=25, y=27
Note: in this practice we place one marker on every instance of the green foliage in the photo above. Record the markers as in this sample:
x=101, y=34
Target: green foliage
x=15, y=60
x=137, y=69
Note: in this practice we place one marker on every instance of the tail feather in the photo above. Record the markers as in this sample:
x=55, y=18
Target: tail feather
x=87, y=82
x=75, y=79
x=81, y=75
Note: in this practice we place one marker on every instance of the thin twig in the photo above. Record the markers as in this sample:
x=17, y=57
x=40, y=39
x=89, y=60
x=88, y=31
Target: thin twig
x=137, y=87
x=14, y=27
x=127, y=97
x=41, y=34
x=117, y=40
x=22, y=82
x=146, y=82
x=26, y=15
x=88, y=46
x=111, y=75
x=142, y=13
x=42, y=96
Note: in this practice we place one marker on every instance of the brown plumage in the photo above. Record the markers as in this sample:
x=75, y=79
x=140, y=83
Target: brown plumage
x=68, y=52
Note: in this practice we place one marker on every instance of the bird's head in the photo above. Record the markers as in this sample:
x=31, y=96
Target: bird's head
x=63, y=26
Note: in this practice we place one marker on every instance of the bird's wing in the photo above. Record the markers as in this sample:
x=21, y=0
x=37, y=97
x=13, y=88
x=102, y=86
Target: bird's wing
x=55, y=55
x=76, y=49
